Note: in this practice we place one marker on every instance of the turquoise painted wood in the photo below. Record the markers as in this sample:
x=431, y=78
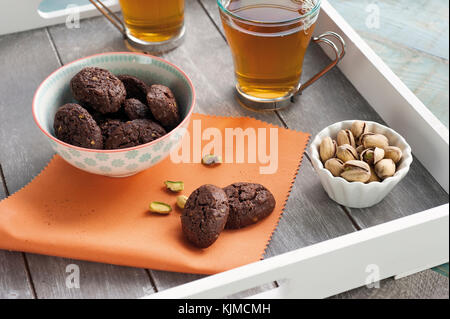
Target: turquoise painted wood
x=413, y=39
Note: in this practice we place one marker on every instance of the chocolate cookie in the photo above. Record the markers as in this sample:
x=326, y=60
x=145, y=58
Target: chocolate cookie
x=205, y=215
x=117, y=134
x=99, y=88
x=249, y=203
x=74, y=125
x=108, y=125
x=136, y=89
x=135, y=109
x=163, y=105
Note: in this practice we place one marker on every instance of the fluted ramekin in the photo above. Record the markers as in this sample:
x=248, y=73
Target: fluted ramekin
x=357, y=194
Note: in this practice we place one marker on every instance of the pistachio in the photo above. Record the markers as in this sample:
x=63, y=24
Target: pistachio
x=327, y=149
x=385, y=168
x=360, y=149
x=371, y=140
x=211, y=159
x=174, y=186
x=372, y=155
x=373, y=176
x=346, y=153
x=181, y=201
x=356, y=171
x=345, y=137
x=335, y=166
x=160, y=208
x=359, y=128
x=394, y=153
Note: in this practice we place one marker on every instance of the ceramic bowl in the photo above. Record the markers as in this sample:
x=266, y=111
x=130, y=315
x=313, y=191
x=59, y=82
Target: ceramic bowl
x=359, y=195
x=54, y=91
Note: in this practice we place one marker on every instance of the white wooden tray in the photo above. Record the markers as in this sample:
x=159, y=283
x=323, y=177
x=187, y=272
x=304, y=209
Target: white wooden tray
x=356, y=259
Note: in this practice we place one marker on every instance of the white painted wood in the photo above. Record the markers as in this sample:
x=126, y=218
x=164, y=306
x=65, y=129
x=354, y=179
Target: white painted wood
x=390, y=97
x=18, y=16
x=336, y=265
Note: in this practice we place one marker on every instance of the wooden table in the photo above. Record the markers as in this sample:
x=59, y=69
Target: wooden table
x=27, y=58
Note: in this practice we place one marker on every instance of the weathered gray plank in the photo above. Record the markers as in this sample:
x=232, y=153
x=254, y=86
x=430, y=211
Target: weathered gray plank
x=424, y=285
x=27, y=58
x=96, y=280
x=310, y=216
x=2, y=182
x=14, y=282
x=417, y=192
x=211, y=7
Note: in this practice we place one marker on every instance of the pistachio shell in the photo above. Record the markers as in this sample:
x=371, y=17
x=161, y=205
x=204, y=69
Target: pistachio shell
x=372, y=155
x=394, y=153
x=385, y=168
x=345, y=137
x=359, y=128
x=335, y=166
x=356, y=171
x=371, y=140
x=373, y=176
x=346, y=153
x=327, y=149
x=360, y=149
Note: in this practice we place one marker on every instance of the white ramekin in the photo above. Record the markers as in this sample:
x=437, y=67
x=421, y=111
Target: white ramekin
x=359, y=195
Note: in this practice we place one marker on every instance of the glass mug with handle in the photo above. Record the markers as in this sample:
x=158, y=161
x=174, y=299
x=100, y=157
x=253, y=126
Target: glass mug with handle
x=268, y=40
x=149, y=25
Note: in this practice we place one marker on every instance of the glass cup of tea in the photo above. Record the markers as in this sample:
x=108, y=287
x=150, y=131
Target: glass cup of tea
x=149, y=25
x=268, y=40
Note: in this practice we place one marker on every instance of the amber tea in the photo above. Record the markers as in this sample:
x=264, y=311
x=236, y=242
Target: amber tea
x=268, y=40
x=153, y=20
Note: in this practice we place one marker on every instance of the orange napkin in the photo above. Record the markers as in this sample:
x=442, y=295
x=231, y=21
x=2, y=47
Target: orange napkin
x=69, y=213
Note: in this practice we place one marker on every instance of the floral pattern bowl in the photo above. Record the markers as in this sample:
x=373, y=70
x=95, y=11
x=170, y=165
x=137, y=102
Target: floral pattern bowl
x=54, y=91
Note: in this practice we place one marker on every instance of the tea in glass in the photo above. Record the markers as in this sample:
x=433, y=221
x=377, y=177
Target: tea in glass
x=268, y=41
x=153, y=21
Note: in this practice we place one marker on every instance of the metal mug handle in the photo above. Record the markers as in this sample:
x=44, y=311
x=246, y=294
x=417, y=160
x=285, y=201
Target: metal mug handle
x=340, y=52
x=111, y=16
